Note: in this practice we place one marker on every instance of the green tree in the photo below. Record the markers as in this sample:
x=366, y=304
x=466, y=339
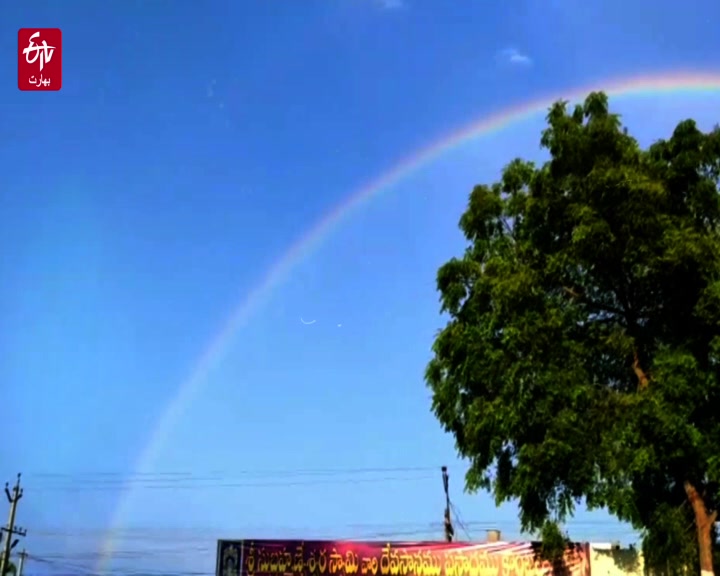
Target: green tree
x=580, y=362
x=10, y=567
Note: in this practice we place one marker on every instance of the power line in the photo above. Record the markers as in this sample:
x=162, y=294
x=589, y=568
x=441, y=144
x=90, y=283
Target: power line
x=458, y=520
x=173, y=535
x=179, y=474
x=142, y=560
x=139, y=545
x=72, y=567
x=83, y=562
x=187, y=485
x=108, y=481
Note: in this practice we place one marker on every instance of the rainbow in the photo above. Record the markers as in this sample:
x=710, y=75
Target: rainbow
x=654, y=84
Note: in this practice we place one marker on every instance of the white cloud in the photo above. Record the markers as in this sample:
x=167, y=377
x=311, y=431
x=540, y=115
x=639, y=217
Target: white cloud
x=514, y=57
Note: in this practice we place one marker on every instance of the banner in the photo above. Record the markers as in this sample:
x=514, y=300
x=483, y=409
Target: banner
x=348, y=558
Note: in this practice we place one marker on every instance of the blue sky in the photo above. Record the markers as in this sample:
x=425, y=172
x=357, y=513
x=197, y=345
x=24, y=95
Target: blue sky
x=191, y=145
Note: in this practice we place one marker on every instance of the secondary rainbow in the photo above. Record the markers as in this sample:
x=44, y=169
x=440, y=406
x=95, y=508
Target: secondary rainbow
x=663, y=82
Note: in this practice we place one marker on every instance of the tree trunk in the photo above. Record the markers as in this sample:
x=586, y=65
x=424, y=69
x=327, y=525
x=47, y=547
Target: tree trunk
x=703, y=525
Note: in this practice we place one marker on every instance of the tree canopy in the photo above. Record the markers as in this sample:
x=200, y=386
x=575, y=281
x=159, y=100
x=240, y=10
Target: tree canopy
x=581, y=359
x=10, y=567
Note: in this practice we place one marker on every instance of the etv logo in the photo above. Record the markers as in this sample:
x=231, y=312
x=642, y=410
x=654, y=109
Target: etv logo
x=39, y=59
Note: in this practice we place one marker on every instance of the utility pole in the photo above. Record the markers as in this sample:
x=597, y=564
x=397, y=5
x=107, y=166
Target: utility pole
x=22, y=555
x=11, y=529
x=449, y=530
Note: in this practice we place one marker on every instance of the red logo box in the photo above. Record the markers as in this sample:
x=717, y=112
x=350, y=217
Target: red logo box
x=40, y=59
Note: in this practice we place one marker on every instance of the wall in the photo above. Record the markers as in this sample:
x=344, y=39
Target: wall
x=605, y=560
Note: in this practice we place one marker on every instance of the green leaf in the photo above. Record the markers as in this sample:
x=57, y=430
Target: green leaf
x=581, y=361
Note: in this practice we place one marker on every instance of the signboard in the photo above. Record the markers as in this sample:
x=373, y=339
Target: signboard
x=348, y=558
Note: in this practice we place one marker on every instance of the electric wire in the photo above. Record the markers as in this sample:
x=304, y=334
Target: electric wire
x=257, y=472
x=221, y=480
x=159, y=535
x=81, y=563
x=74, y=568
x=139, y=546
x=221, y=485
x=459, y=522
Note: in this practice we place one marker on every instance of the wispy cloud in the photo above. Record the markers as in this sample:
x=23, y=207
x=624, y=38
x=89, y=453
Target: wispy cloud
x=515, y=57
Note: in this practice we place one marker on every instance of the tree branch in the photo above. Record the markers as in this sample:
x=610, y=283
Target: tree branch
x=643, y=380
x=698, y=503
